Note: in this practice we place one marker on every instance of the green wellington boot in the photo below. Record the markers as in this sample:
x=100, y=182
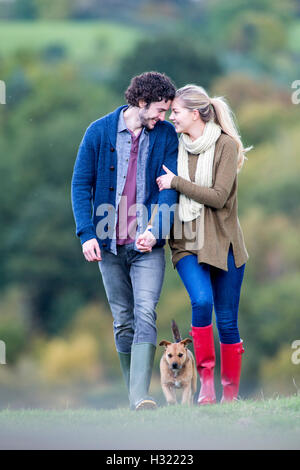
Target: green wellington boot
x=142, y=358
x=125, y=359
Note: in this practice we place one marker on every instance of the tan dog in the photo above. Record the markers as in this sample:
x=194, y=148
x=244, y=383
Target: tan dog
x=178, y=369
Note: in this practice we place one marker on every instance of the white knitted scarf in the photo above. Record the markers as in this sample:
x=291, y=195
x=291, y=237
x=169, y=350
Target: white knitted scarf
x=204, y=146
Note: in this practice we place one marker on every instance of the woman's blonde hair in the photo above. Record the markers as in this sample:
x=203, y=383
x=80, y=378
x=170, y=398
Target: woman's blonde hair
x=217, y=109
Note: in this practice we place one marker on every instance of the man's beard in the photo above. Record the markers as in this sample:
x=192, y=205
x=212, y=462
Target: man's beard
x=145, y=121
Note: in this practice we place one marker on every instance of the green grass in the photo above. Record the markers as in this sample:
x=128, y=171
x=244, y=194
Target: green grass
x=266, y=424
x=84, y=41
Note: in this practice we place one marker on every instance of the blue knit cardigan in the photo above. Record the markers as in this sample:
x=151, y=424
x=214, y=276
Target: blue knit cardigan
x=94, y=180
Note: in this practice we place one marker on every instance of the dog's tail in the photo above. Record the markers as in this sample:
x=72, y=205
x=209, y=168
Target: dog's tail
x=176, y=333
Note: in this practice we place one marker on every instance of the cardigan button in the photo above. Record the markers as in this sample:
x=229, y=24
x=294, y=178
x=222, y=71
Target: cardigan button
x=104, y=244
x=112, y=149
x=111, y=188
x=112, y=168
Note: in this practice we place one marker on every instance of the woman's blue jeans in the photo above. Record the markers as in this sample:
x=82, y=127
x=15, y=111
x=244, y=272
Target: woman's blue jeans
x=210, y=287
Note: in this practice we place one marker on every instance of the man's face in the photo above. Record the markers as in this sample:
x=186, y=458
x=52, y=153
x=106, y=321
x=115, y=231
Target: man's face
x=151, y=114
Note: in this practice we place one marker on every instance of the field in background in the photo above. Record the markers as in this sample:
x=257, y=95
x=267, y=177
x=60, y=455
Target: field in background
x=83, y=42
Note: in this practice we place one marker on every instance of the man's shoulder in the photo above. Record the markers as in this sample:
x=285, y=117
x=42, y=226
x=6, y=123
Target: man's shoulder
x=166, y=127
x=96, y=125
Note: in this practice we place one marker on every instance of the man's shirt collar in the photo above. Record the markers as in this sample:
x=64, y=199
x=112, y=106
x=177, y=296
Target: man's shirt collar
x=122, y=124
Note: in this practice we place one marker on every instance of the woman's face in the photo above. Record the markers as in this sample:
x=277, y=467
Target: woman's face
x=182, y=117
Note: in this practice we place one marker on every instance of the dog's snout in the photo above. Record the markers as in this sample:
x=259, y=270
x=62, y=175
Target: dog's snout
x=175, y=365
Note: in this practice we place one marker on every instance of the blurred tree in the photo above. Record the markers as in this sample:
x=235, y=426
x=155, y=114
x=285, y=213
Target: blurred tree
x=51, y=102
x=268, y=313
x=15, y=322
x=95, y=319
x=71, y=361
x=54, y=9
x=177, y=57
x=54, y=53
x=278, y=375
x=252, y=35
x=24, y=9
x=276, y=162
x=273, y=252
x=242, y=89
x=257, y=33
x=40, y=143
x=222, y=14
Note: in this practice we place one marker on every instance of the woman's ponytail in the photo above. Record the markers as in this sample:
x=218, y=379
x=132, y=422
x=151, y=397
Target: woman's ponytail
x=225, y=118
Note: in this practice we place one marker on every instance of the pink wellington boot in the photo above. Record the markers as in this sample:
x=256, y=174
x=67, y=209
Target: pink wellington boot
x=204, y=349
x=231, y=364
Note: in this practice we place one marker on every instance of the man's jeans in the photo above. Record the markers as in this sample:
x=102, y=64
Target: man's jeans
x=133, y=282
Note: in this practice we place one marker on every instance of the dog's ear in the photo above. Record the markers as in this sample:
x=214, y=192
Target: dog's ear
x=164, y=343
x=186, y=341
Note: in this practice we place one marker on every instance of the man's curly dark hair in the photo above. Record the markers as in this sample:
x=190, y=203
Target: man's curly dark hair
x=150, y=87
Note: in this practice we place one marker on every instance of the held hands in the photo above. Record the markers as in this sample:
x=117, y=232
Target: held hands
x=91, y=250
x=164, y=181
x=146, y=241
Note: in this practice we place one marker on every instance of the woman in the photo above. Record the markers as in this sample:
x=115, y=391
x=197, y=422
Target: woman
x=207, y=243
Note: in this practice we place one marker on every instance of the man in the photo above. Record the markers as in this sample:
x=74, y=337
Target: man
x=118, y=161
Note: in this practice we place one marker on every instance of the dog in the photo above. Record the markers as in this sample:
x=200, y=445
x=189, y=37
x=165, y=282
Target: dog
x=178, y=369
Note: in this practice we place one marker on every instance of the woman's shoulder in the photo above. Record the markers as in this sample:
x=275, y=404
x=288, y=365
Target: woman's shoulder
x=227, y=142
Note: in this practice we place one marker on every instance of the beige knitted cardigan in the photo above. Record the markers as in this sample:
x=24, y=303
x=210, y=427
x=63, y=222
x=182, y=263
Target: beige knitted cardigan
x=220, y=225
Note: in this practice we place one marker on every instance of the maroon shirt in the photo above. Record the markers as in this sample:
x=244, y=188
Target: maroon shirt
x=126, y=224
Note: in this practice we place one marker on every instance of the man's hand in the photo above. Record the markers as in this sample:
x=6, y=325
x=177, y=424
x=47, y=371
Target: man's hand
x=164, y=181
x=91, y=250
x=145, y=241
